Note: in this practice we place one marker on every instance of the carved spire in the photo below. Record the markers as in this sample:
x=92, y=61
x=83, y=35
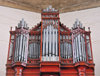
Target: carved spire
x=77, y=24
x=22, y=24
x=50, y=9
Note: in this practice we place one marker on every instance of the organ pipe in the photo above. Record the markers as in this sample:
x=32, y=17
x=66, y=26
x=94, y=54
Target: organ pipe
x=50, y=41
x=56, y=44
x=88, y=48
x=47, y=41
x=11, y=47
x=43, y=42
x=80, y=51
x=53, y=42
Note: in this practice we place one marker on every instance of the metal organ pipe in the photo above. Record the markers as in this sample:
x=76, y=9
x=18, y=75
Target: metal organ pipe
x=11, y=47
x=22, y=49
x=16, y=50
x=25, y=54
x=47, y=42
x=82, y=46
x=56, y=44
x=66, y=50
x=53, y=42
x=20, y=46
x=34, y=50
x=88, y=48
x=74, y=51
x=50, y=41
x=80, y=51
x=84, y=53
x=76, y=54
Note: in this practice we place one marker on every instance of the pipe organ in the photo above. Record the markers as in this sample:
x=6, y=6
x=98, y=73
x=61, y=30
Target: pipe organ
x=50, y=48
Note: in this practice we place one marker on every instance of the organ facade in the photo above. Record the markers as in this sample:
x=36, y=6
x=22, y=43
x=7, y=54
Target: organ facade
x=50, y=48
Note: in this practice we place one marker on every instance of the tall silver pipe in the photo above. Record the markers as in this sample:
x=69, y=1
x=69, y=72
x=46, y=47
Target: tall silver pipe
x=56, y=44
x=17, y=51
x=64, y=49
x=26, y=48
x=43, y=41
x=15, y=54
x=66, y=52
x=31, y=50
x=50, y=41
x=70, y=51
x=75, y=47
x=82, y=47
x=20, y=46
x=78, y=57
x=32, y=46
x=89, y=50
x=47, y=41
x=80, y=51
x=84, y=53
x=74, y=51
x=88, y=47
x=53, y=42
x=34, y=50
x=61, y=49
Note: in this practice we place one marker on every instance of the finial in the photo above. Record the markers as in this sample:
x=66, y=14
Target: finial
x=77, y=22
x=11, y=28
x=22, y=24
x=50, y=7
x=89, y=28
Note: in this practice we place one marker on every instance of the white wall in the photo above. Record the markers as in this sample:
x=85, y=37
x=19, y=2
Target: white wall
x=11, y=17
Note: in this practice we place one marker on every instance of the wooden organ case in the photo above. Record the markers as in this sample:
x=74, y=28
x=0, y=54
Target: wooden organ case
x=50, y=48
